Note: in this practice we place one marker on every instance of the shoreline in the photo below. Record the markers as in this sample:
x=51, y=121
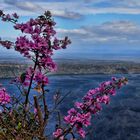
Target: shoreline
x=77, y=67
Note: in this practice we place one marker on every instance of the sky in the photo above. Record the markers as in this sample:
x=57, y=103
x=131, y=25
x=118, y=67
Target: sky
x=95, y=27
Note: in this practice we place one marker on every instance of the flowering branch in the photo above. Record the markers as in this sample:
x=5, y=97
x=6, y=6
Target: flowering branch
x=80, y=116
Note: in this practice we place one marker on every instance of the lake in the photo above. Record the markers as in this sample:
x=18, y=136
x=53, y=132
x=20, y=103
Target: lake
x=120, y=120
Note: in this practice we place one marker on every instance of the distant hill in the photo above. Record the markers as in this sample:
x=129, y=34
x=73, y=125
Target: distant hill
x=8, y=70
x=98, y=67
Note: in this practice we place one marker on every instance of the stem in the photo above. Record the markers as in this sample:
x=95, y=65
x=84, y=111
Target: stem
x=46, y=115
x=73, y=136
x=39, y=113
x=59, y=118
x=29, y=88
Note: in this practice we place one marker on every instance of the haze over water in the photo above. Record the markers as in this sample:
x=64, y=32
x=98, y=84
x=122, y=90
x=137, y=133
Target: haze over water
x=93, y=54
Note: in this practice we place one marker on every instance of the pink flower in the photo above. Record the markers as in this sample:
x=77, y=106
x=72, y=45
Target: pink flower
x=28, y=29
x=79, y=105
x=4, y=97
x=22, y=45
x=92, y=92
x=112, y=92
x=70, y=119
x=57, y=133
x=6, y=17
x=15, y=15
x=98, y=107
x=72, y=111
x=35, y=110
x=105, y=99
x=84, y=118
x=81, y=132
x=37, y=30
x=114, y=78
x=18, y=26
x=41, y=78
x=6, y=44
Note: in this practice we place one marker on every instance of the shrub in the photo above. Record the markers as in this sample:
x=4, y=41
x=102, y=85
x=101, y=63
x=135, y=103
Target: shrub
x=21, y=118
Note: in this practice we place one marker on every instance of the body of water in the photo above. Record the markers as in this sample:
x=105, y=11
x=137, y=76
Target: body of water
x=120, y=120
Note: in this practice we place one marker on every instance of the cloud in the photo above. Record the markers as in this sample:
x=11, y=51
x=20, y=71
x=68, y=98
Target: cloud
x=115, y=32
x=24, y=5
x=74, y=9
x=125, y=3
x=110, y=10
x=113, y=7
x=117, y=3
x=67, y=14
x=72, y=31
x=28, y=6
x=10, y=2
x=33, y=8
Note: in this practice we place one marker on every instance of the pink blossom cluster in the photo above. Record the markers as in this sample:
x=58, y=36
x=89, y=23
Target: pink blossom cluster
x=42, y=40
x=80, y=116
x=38, y=79
x=37, y=43
x=8, y=17
x=7, y=44
x=4, y=97
x=57, y=133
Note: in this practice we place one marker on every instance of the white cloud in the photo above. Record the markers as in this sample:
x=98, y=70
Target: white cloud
x=110, y=10
x=108, y=33
x=72, y=10
x=24, y=5
x=72, y=31
x=27, y=8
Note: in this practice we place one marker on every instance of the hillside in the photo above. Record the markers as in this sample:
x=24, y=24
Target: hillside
x=8, y=70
